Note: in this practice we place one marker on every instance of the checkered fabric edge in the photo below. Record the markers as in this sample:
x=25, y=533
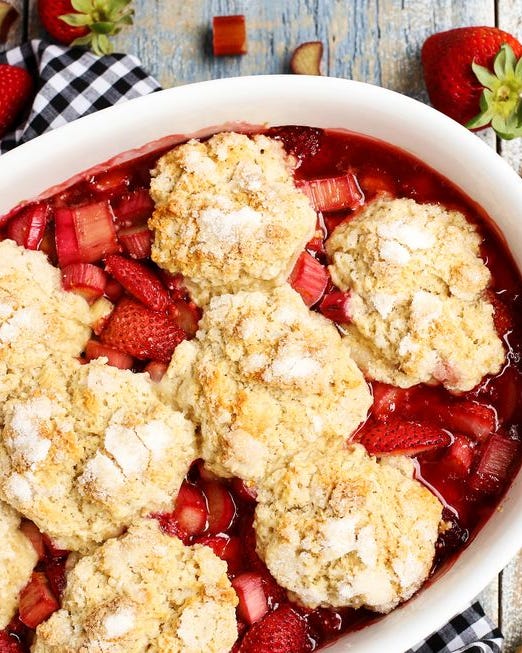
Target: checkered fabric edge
x=471, y=631
x=70, y=83
x=73, y=83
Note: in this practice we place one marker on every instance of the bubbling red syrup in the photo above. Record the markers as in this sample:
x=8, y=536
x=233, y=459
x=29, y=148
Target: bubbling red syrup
x=470, y=475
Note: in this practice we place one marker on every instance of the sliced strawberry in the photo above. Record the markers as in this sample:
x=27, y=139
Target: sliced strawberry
x=85, y=279
x=336, y=306
x=460, y=455
x=139, y=281
x=398, y=437
x=37, y=602
x=186, y=315
x=136, y=241
x=33, y=534
x=56, y=575
x=280, y=631
x=204, y=472
x=141, y=332
x=221, y=507
x=229, y=35
x=175, y=284
x=27, y=228
x=333, y=193
x=468, y=417
x=110, y=183
x=243, y=491
x=156, y=370
x=498, y=456
x=309, y=278
x=502, y=318
x=116, y=358
x=386, y=400
x=9, y=643
x=190, y=509
x=133, y=208
x=251, y=594
x=226, y=547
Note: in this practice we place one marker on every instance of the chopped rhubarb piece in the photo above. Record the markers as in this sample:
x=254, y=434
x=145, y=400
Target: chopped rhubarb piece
x=229, y=35
x=460, y=455
x=251, y=594
x=133, y=208
x=85, y=279
x=156, y=370
x=136, y=241
x=27, y=228
x=221, y=507
x=8, y=15
x=309, y=278
x=100, y=311
x=110, y=183
x=306, y=59
x=333, y=193
x=226, y=547
x=495, y=463
x=141, y=332
x=37, y=602
x=386, y=400
x=65, y=236
x=190, y=510
x=116, y=358
x=139, y=281
x=113, y=290
x=316, y=243
x=186, y=315
x=243, y=490
x=398, y=437
x=468, y=417
x=56, y=575
x=9, y=643
x=32, y=532
x=336, y=306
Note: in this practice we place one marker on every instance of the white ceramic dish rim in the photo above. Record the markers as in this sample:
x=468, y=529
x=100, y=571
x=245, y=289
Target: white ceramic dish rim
x=30, y=169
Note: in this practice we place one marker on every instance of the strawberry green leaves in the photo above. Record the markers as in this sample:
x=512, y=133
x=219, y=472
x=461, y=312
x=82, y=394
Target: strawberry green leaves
x=501, y=98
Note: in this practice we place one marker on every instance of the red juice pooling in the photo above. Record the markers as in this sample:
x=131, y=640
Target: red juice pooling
x=97, y=231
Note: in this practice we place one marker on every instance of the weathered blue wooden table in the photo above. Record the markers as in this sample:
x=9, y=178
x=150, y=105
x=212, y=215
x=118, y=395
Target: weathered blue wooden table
x=376, y=41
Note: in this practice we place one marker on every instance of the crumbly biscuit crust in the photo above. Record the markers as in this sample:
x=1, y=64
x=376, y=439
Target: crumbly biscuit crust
x=228, y=215
x=419, y=309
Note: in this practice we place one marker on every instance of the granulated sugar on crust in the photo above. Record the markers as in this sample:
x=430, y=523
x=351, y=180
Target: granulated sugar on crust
x=89, y=449
x=418, y=307
x=347, y=529
x=17, y=560
x=228, y=215
x=264, y=377
x=144, y=592
x=38, y=319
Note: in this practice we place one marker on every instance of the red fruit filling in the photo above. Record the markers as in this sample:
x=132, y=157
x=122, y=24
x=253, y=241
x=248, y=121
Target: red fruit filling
x=468, y=448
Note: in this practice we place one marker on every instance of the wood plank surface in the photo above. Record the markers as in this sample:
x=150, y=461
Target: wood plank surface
x=376, y=41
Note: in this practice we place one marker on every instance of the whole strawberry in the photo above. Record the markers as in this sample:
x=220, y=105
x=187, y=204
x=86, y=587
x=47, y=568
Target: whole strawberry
x=15, y=91
x=460, y=85
x=85, y=22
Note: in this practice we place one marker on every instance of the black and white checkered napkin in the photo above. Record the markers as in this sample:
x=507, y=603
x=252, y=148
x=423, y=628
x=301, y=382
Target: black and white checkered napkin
x=71, y=83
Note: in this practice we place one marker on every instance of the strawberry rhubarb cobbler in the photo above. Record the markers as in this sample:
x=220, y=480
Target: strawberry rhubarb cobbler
x=256, y=390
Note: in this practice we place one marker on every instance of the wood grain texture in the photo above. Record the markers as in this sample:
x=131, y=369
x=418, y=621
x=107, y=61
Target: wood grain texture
x=376, y=41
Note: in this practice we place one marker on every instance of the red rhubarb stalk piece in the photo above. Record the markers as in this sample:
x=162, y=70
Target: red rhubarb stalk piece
x=141, y=332
x=32, y=532
x=136, y=241
x=309, y=278
x=116, y=358
x=497, y=458
x=460, y=456
x=139, y=281
x=229, y=35
x=67, y=247
x=253, y=604
x=37, y=602
x=333, y=193
x=336, y=306
x=468, y=417
x=306, y=59
x=398, y=437
x=221, y=507
x=85, y=279
x=27, y=228
x=132, y=208
x=110, y=183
